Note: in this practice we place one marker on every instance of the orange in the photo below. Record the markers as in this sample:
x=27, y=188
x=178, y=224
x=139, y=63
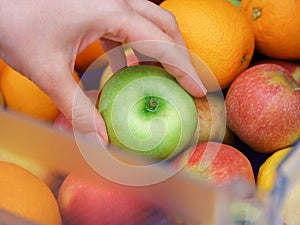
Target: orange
x=25, y=195
x=276, y=25
x=2, y=64
x=1, y=99
x=23, y=95
x=88, y=56
x=217, y=32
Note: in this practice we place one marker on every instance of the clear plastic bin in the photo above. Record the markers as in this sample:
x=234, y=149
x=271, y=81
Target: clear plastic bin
x=59, y=153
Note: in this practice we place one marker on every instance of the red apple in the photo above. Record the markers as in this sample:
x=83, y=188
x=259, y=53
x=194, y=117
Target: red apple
x=86, y=202
x=263, y=108
x=228, y=165
x=292, y=67
x=212, y=119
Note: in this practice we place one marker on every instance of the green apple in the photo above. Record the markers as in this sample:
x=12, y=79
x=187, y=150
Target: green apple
x=147, y=112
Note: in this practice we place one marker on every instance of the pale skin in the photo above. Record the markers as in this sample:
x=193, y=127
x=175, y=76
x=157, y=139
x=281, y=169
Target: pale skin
x=41, y=40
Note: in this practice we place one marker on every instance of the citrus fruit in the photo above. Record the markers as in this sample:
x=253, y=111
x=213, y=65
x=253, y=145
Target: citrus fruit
x=265, y=182
x=218, y=33
x=267, y=171
x=1, y=99
x=2, y=64
x=23, y=95
x=276, y=26
x=25, y=195
x=88, y=56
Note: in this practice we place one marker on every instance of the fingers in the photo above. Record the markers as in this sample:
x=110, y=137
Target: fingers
x=115, y=53
x=60, y=85
x=146, y=60
x=174, y=57
x=86, y=118
x=160, y=17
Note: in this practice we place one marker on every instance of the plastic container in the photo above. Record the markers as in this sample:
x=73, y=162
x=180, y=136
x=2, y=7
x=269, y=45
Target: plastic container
x=41, y=144
x=59, y=153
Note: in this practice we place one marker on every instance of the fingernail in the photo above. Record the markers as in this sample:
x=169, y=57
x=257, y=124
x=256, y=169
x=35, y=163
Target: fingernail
x=101, y=128
x=103, y=135
x=199, y=83
x=203, y=90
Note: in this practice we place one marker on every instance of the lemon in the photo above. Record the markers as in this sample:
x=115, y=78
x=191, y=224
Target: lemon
x=265, y=181
x=267, y=171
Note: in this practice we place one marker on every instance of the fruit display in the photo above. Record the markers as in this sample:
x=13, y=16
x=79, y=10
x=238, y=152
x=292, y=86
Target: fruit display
x=240, y=131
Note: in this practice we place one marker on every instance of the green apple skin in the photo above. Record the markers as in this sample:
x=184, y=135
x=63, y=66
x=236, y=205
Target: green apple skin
x=237, y=3
x=147, y=112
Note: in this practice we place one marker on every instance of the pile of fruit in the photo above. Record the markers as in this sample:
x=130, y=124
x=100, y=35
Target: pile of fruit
x=249, y=121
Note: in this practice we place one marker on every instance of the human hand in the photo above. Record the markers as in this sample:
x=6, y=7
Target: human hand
x=41, y=40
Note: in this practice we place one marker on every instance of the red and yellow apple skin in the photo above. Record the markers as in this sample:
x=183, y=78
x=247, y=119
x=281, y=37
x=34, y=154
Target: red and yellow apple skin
x=212, y=119
x=86, y=202
x=263, y=108
x=228, y=165
x=292, y=67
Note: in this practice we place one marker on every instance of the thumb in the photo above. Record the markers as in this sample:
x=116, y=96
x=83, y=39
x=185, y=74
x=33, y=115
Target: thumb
x=85, y=117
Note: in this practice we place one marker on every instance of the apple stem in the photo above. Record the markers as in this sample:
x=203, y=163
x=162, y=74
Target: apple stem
x=152, y=104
